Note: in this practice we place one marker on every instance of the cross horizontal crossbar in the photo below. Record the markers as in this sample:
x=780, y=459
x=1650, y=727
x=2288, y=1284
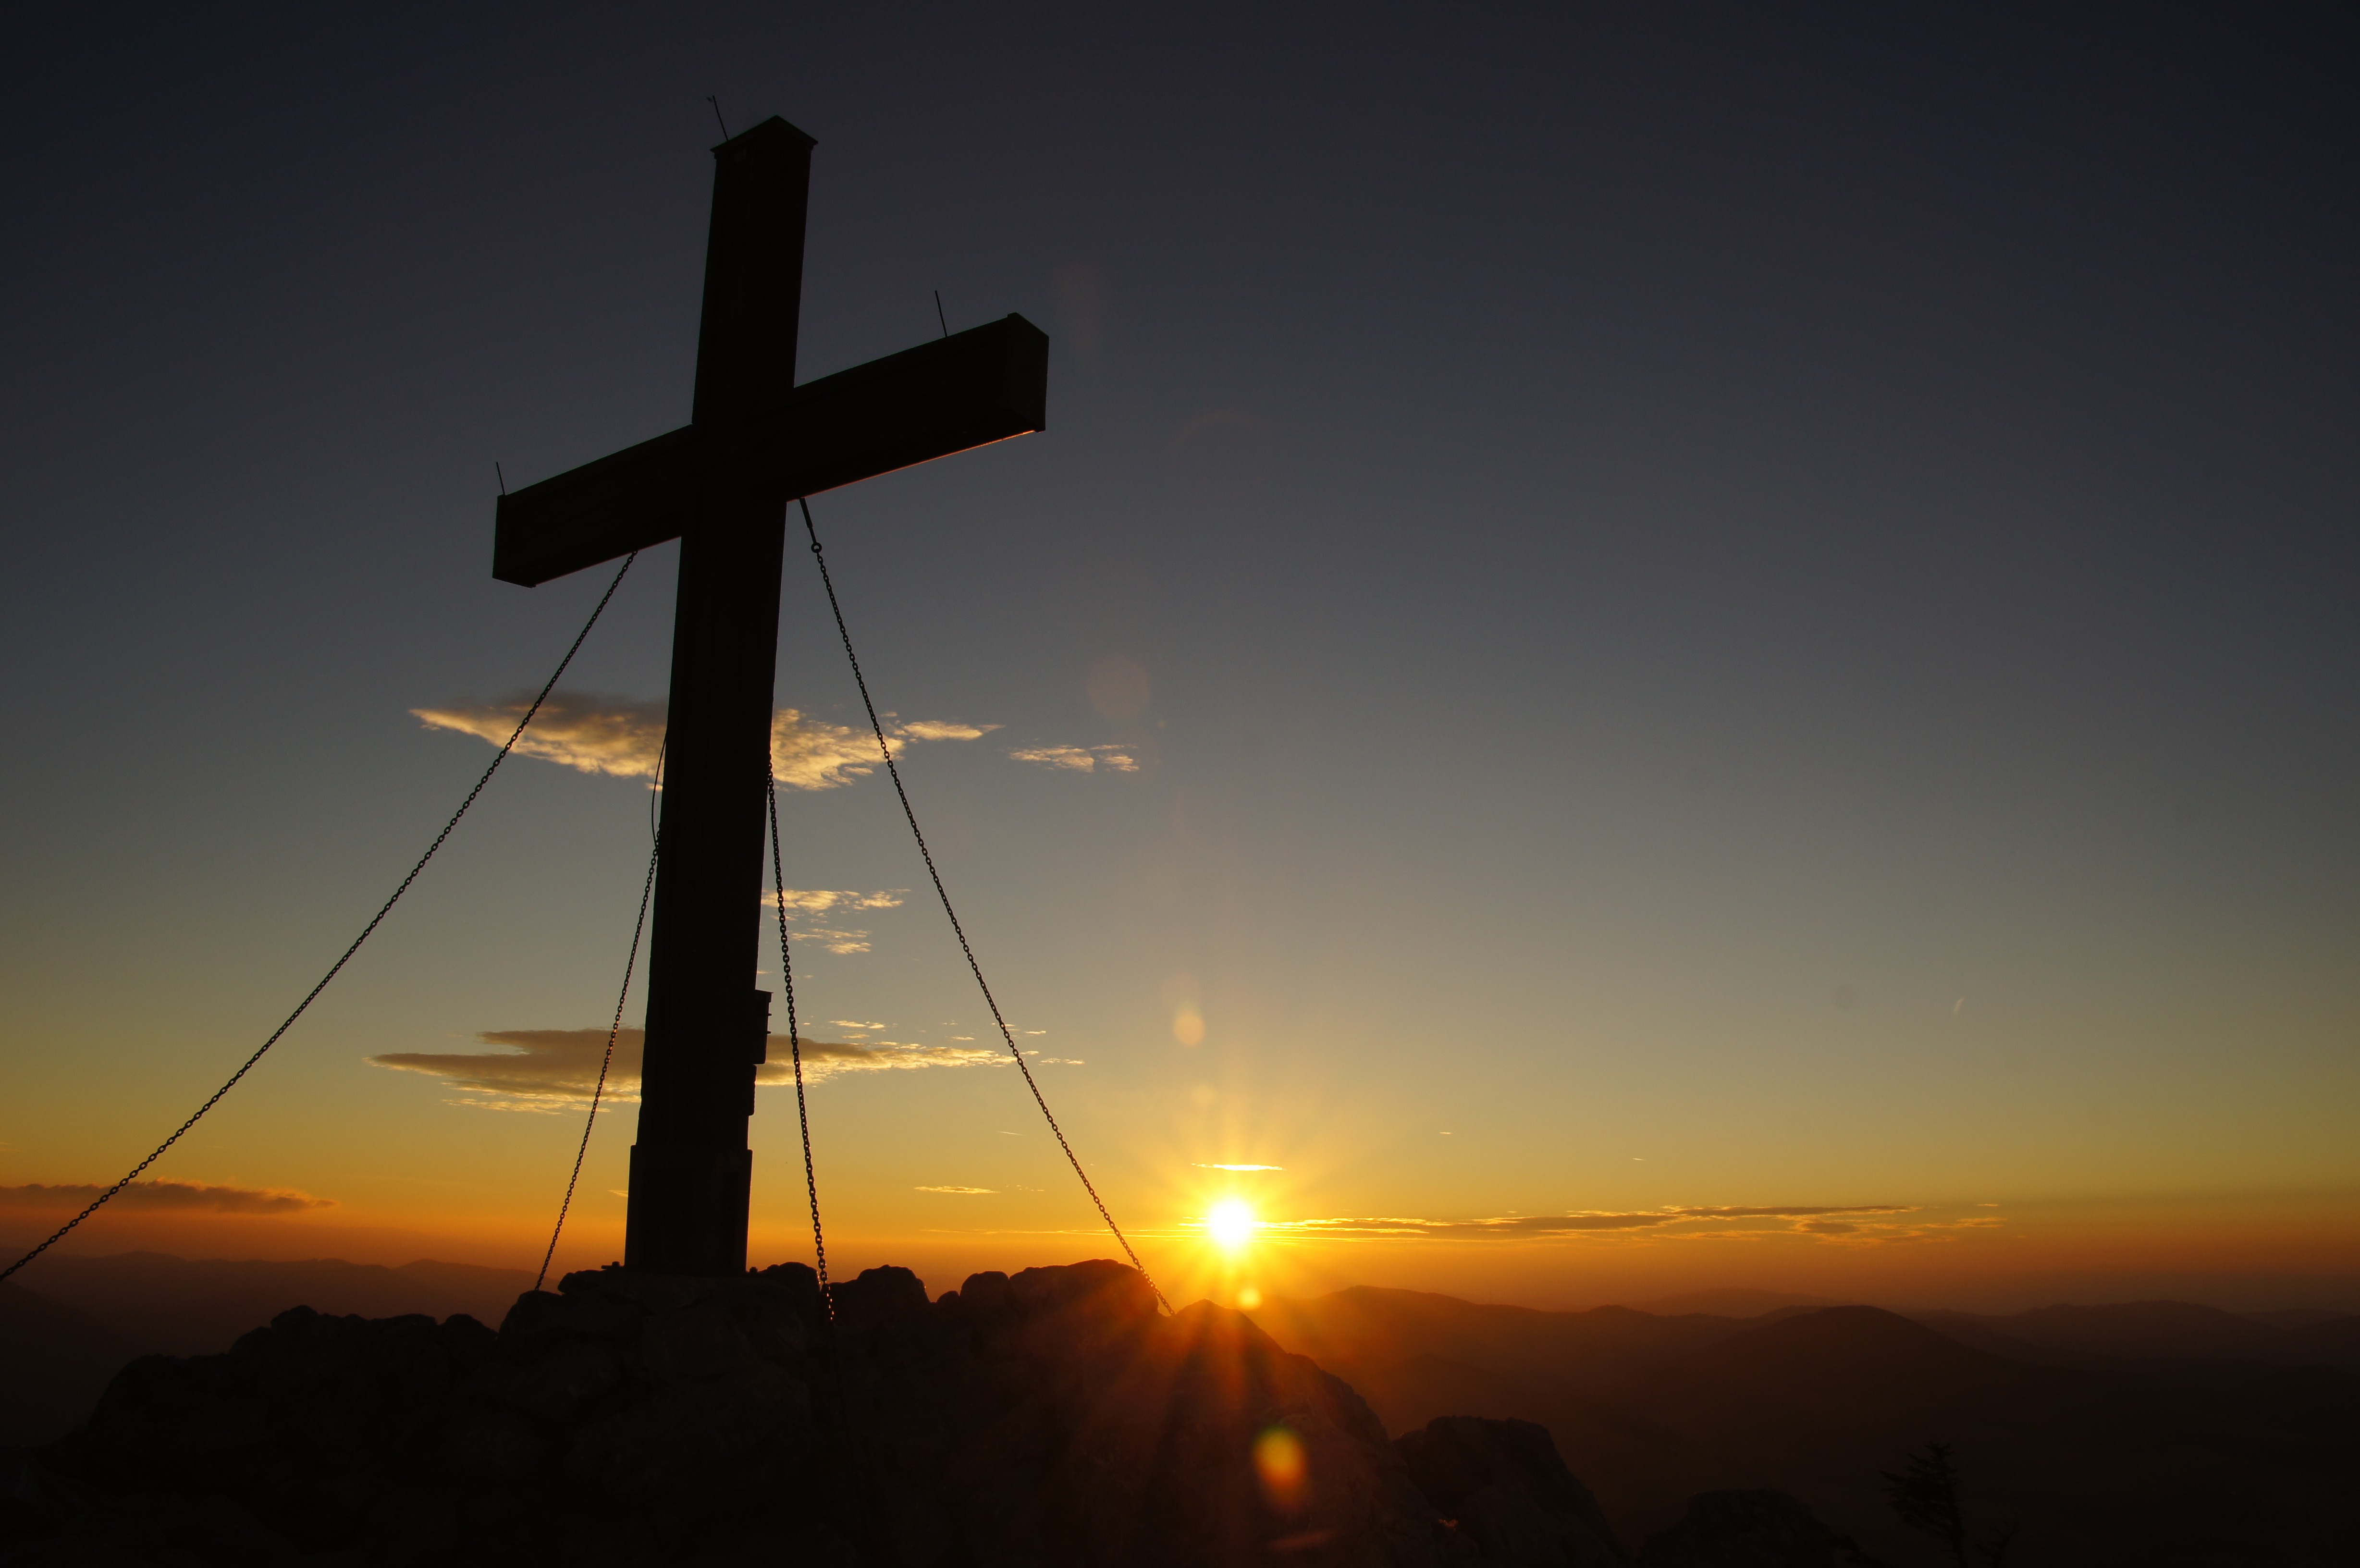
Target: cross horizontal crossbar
x=975, y=387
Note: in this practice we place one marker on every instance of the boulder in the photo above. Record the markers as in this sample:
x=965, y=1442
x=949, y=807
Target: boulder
x=1507, y=1490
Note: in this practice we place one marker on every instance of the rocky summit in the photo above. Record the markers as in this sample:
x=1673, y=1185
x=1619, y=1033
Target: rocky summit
x=1054, y=1418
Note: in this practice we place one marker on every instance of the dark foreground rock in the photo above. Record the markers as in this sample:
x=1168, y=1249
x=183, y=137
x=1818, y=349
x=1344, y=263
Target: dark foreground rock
x=1509, y=1492
x=1748, y=1529
x=1051, y=1419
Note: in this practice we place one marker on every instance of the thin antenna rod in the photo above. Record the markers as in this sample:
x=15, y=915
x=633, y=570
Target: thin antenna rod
x=717, y=115
x=938, y=313
x=502, y=477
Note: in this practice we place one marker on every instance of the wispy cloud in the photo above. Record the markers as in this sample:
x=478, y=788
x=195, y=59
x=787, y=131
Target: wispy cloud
x=614, y=735
x=1079, y=758
x=185, y=1197
x=1201, y=1166
x=970, y=1192
x=811, y=754
x=555, y=1070
x=885, y=1056
x=944, y=729
x=1811, y=1220
x=819, y=901
x=804, y=902
x=838, y=938
x=621, y=737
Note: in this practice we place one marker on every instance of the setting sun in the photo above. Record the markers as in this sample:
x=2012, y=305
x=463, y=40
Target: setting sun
x=1231, y=1223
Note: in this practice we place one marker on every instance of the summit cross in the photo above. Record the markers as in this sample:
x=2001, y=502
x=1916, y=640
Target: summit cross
x=721, y=485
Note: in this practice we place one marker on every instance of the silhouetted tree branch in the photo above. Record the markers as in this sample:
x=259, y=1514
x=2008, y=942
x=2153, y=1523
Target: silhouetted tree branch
x=1926, y=1496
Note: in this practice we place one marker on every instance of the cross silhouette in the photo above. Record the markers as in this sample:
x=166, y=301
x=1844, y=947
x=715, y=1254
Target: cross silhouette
x=721, y=485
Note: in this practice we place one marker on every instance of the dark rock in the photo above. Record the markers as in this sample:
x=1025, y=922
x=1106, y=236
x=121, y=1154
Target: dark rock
x=1745, y=1529
x=496, y=1445
x=55, y=1522
x=1510, y=1492
x=556, y=1385
x=699, y=1341
x=540, y=1316
x=297, y=1423
x=985, y=1294
x=881, y=1298
x=672, y=1447
x=793, y=1285
x=1057, y=1419
x=1107, y=1290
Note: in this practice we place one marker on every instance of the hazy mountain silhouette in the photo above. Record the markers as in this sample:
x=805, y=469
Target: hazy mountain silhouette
x=54, y=1361
x=2289, y=1319
x=2335, y=1343
x=179, y=1306
x=2147, y=1331
x=1367, y=1327
x=1729, y=1304
x=79, y=1318
x=2101, y=1464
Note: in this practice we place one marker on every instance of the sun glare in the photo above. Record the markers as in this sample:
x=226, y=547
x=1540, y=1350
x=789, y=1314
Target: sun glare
x=1231, y=1223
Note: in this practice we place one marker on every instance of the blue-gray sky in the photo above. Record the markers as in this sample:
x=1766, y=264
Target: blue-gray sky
x=1741, y=606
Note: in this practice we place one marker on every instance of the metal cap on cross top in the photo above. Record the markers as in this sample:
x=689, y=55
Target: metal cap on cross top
x=721, y=485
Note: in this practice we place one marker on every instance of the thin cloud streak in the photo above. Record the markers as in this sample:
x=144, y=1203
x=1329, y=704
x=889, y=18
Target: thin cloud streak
x=1814, y=1220
x=621, y=737
x=179, y=1197
x=1079, y=758
x=556, y=1069
x=819, y=901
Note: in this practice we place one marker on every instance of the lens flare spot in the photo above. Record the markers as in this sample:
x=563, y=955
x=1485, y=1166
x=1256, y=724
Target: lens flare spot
x=1231, y=1223
x=1279, y=1460
x=1188, y=1025
x=1249, y=1299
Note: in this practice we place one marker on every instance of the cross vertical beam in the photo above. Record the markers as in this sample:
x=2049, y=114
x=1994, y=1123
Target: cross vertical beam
x=720, y=485
x=706, y=1026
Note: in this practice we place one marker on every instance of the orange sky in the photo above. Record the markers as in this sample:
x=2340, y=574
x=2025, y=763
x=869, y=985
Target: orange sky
x=2294, y=1250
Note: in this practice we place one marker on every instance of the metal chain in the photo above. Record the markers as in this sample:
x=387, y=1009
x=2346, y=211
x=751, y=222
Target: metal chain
x=638, y=927
x=337, y=967
x=974, y=967
x=795, y=1046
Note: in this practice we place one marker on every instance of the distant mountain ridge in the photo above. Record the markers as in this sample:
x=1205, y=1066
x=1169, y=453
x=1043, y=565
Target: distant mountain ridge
x=2104, y=1458
x=2150, y=1330
x=54, y=1362
x=187, y=1306
x=1730, y=1304
x=75, y=1320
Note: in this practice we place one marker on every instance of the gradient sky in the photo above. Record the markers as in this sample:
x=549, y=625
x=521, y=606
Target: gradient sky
x=1714, y=608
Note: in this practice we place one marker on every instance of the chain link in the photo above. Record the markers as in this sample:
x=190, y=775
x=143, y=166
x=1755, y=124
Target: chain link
x=795, y=1047
x=647, y=889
